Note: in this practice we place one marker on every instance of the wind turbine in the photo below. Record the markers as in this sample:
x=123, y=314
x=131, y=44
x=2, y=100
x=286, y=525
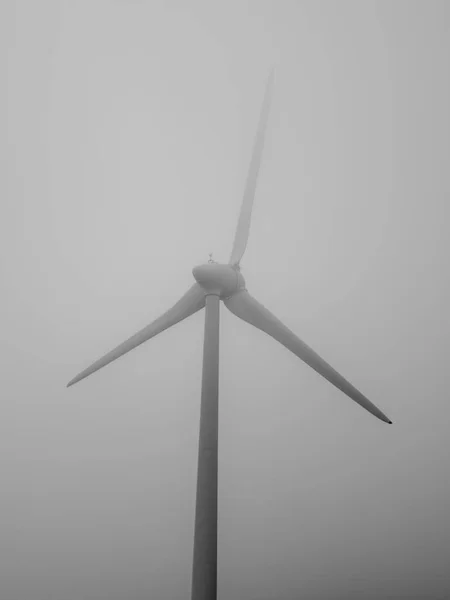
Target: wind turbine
x=216, y=282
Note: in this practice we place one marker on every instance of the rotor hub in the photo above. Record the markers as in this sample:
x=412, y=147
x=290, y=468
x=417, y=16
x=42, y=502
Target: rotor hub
x=218, y=279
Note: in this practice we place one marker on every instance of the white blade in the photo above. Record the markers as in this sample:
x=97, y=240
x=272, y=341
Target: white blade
x=248, y=309
x=243, y=226
x=191, y=302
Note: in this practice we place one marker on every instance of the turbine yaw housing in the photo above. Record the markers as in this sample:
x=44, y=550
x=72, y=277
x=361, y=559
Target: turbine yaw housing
x=219, y=279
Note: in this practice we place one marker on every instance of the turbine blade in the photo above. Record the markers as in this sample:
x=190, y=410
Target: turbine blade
x=248, y=309
x=243, y=226
x=191, y=302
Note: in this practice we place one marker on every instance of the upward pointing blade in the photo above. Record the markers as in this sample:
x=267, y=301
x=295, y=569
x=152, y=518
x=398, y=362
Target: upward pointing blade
x=192, y=301
x=243, y=226
x=250, y=310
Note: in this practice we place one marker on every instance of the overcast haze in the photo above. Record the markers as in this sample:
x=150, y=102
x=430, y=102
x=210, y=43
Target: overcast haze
x=129, y=132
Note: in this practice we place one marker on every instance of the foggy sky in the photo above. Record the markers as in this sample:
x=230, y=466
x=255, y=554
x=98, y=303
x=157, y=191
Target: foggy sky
x=129, y=127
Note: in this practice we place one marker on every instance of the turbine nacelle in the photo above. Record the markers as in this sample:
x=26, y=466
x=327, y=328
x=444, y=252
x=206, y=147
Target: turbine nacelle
x=219, y=279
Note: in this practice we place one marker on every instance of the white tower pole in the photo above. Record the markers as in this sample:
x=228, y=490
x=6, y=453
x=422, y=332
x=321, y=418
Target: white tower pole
x=204, y=568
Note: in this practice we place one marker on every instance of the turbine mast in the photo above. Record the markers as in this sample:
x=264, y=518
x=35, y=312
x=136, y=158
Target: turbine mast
x=204, y=568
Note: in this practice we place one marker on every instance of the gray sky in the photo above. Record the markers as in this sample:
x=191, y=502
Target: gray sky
x=129, y=132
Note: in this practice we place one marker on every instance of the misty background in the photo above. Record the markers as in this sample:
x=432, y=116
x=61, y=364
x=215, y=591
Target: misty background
x=128, y=133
